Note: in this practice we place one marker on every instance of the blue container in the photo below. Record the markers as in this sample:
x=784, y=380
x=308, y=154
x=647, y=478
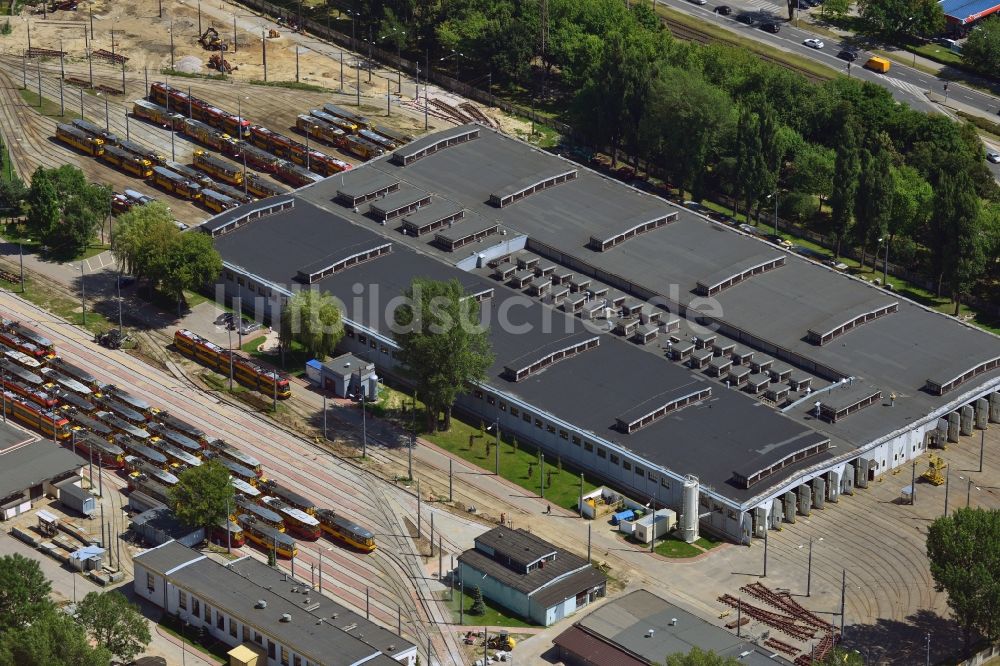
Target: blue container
x=627, y=514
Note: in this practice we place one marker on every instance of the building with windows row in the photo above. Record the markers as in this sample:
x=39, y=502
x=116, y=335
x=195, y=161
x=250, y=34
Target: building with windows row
x=246, y=601
x=674, y=357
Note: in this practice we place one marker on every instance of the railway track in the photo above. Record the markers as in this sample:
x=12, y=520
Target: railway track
x=689, y=34
x=347, y=490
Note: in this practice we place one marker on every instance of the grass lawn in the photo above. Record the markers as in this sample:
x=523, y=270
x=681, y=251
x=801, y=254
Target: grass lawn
x=707, y=543
x=193, y=298
x=671, y=547
x=61, y=306
x=495, y=616
x=725, y=36
x=937, y=53
x=214, y=654
x=251, y=347
x=562, y=487
x=50, y=108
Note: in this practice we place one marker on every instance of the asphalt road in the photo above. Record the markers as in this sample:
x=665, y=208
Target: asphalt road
x=907, y=85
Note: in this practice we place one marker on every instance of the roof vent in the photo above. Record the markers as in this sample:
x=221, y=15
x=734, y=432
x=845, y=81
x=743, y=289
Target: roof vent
x=260, y=604
x=673, y=622
x=650, y=632
x=392, y=648
x=334, y=616
x=286, y=617
x=306, y=600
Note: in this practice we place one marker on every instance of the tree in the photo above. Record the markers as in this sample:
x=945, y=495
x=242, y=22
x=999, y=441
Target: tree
x=64, y=209
x=811, y=171
x=443, y=346
x=202, y=495
x=964, y=552
x=313, y=319
x=115, y=623
x=912, y=198
x=12, y=195
x=751, y=168
x=143, y=237
x=981, y=50
x=24, y=591
x=873, y=199
x=845, y=177
x=839, y=656
x=958, y=210
x=478, y=605
x=686, y=119
x=895, y=18
x=699, y=657
x=52, y=638
x=191, y=262
x=835, y=9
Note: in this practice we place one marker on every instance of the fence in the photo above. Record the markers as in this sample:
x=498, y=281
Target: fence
x=324, y=31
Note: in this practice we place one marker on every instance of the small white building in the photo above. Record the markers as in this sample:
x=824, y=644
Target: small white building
x=248, y=601
x=530, y=576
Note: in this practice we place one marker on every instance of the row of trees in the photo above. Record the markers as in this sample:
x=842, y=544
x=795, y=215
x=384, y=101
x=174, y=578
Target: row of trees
x=34, y=632
x=713, y=120
x=981, y=51
x=150, y=246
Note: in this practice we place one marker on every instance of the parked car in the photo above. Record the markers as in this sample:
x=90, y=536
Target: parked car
x=814, y=43
x=749, y=19
x=724, y=10
x=848, y=55
x=771, y=27
x=698, y=2
x=747, y=229
x=993, y=157
x=224, y=319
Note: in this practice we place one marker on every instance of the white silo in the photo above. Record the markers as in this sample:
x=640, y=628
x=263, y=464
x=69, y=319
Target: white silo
x=689, y=522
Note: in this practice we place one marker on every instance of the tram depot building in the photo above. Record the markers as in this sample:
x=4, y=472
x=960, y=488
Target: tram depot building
x=634, y=339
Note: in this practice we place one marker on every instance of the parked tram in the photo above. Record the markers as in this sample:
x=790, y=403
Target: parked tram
x=79, y=140
x=226, y=450
x=297, y=521
x=50, y=423
x=289, y=496
x=262, y=513
x=43, y=345
x=97, y=449
x=228, y=533
x=267, y=537
x=345, y=531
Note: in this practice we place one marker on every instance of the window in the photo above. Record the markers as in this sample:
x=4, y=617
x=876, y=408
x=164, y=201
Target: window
x=651, y=476
x=195, y=610
x=514, y=411
x=627, y=466
x=478, y=394
x=587, y=446
x=240, y=281
x=373, y=344
x=296, y=660
x=664, y=482
x=731, y=514
x=384, y=350
x=563, y=434
x=270, y=649
x=614, y=459
x=257, y=638
x=284, y=656
x=576, y=440
x=150, y=582
x=526, y=417
x=220, y=621
x=640, y=471
x=551, y=429
x=348, y=331
x=363, y=339
x=703, y=501
x=182, y=599
x=490, y=400
x=602, y=452
x=251, y=285
x=229, y=275
x=503, y=406
x=538, y=423
x=232, y=627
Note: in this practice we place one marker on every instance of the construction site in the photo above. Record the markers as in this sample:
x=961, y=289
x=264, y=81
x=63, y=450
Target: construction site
x=94, y=63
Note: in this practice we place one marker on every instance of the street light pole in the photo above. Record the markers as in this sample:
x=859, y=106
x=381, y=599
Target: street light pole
x=83, y=296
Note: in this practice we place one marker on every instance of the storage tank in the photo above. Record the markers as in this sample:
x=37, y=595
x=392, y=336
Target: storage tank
x=689, y=521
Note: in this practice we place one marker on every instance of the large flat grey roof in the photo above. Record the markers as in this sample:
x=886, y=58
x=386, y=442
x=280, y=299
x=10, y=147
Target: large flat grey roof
x=31, y=464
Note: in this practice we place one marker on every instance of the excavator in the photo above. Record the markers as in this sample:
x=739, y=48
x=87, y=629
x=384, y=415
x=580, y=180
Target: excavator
x=501, y=641
x=210, y=40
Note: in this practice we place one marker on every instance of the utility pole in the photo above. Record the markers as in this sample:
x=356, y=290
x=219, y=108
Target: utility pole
x=83, y=295
x=809, y=578
x=766, y=530
x=263, y=50
x=913, y=483
x=324, y=417
x=450, y=496
x=843, y=598
x=947, y=482
x=418, y=509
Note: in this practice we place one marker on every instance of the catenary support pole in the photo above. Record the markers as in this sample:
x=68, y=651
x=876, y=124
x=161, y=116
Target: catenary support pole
x=418, y=509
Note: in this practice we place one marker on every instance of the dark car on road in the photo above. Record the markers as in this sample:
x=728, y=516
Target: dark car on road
x=848, y=55
x=771, y=27
x=724, y=10
x=749, y=19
